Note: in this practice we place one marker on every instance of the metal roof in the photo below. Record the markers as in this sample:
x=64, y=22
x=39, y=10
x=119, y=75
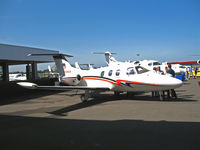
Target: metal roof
x=13, y=54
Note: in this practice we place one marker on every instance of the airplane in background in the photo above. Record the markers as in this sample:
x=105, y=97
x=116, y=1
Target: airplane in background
x=178, y=67
x=17, y=77
x=88, y=66
x=52, y=73
x=151, y=64
x=119, y=77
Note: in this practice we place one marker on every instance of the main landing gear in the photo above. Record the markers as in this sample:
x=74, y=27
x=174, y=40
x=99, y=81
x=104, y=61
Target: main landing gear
x=86, y=96
x=116, y=93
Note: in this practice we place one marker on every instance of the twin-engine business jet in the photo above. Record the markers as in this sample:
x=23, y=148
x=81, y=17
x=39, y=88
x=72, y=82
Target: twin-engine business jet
x=122, y=77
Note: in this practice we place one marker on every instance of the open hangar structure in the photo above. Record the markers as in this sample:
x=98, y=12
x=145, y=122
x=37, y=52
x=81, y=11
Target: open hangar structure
x=16, y=55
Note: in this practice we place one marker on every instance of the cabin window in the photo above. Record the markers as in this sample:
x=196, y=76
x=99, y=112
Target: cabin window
x=102, y=73
x=118, y=72
x=141, y=69
x=130, y=71
x=110, y=73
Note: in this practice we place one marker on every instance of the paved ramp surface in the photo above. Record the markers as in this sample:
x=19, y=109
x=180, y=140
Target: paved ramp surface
x=60, y=121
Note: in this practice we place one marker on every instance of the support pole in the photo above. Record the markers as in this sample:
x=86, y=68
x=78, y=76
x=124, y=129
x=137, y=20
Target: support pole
x=28, y=72
x=5, y=72
x=34, y=71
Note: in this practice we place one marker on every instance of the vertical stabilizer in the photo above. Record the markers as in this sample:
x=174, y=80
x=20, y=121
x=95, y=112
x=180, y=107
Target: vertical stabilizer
x=109, y=57
x=61, y=62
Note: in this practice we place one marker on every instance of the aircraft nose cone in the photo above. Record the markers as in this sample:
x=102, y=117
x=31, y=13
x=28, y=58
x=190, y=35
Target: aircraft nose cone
x=178, y=82
x=175, y=83
x=169, y=82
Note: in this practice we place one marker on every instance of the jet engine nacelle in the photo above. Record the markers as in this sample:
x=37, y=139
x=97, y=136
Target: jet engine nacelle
x=198, y=61
x=73, y=81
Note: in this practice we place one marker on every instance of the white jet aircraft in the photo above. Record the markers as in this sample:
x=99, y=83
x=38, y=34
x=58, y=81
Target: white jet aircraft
x=17, y=77
x=119, y=77
x=148, y=64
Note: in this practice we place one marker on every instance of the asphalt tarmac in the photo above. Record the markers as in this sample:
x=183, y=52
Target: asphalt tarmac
x=52, y=120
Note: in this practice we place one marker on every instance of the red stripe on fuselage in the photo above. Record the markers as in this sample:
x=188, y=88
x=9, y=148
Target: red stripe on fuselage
x=69, y=79
x=118, y=82
x=102, y=80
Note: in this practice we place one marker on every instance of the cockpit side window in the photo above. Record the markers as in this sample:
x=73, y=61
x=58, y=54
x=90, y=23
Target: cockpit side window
x=130, y=71
x=150, y=64
x=182, y=67
x=141, y=69
x=19, y=75
x=110, y=73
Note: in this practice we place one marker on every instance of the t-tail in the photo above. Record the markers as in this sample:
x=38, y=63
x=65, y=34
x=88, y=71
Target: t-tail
x=108, y=56
x=61, y=62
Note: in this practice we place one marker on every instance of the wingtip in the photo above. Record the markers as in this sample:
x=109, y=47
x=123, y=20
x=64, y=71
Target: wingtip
x=28, y=85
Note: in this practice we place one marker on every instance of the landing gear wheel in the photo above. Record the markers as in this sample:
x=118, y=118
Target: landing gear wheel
x=116, y=93
x=84, y=98
x=130, y=94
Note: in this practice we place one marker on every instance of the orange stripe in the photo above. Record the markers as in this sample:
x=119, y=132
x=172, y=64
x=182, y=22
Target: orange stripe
x=102, y=80
x=118, y=81
x=68, y=79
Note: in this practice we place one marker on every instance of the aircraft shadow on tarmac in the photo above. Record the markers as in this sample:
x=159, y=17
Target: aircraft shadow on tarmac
x=109, y=97
x=25, y=95
x=20, y=132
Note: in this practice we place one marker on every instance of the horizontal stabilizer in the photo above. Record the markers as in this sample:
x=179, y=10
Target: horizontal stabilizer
x=104, y=53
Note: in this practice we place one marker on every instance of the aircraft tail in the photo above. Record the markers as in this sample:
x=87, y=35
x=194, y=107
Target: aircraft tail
x=61, y=62
x=108, y=56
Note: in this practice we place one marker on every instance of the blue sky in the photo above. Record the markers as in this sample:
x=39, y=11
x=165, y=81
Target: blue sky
x=166, y=30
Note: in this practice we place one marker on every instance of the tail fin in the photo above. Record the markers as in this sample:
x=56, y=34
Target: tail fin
x=61, y=62
x=108, y=56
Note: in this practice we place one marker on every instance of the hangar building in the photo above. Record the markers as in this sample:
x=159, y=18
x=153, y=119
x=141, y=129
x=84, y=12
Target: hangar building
x=15, y=55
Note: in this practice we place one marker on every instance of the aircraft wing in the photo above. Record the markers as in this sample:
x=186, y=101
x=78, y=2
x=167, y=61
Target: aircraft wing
x=30, y=85
x=185, y=62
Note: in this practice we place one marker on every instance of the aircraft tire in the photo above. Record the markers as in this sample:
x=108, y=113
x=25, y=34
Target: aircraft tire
x=84, y=98
x=116, y=93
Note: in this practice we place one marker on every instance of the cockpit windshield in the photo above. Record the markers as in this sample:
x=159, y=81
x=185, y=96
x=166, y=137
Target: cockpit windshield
x=183, y=67
x=141, y=70
x=156, y=63
x=130, y=71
